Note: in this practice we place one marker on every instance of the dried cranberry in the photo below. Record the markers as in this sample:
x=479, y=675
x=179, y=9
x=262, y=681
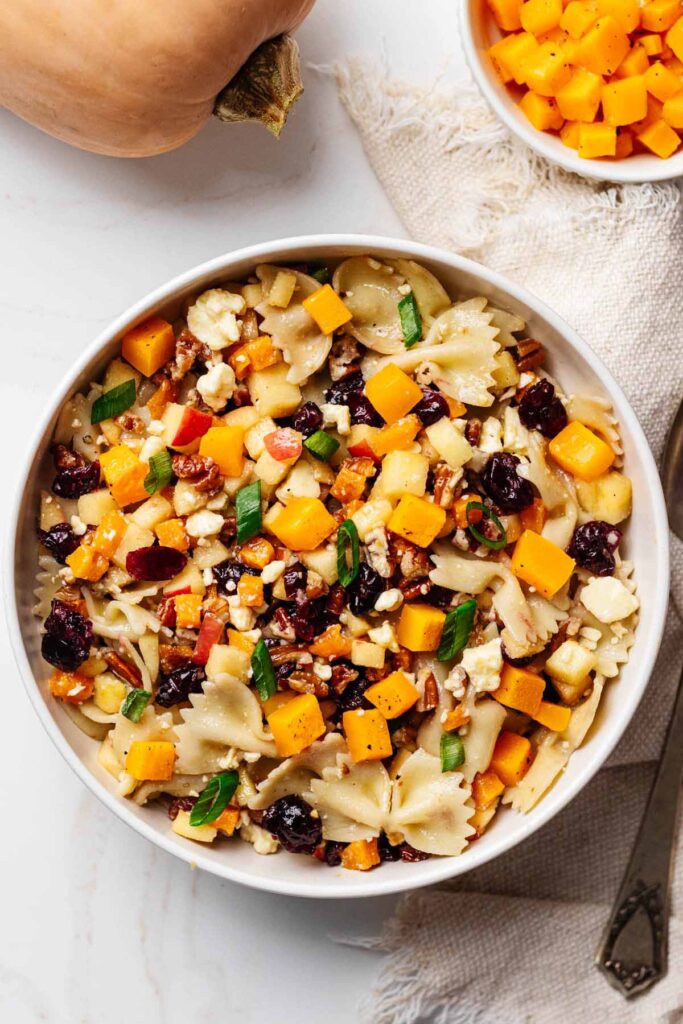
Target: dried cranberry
x=517, y=662
x=294, y=579
x=540, y=409
x=593, y=546
x=335, y=600
x=332, y=853
x=177, y=687
x=308, y=619
x=307, y=419
x=439, y=596
x=504, y=486
x=290, y=820
x=363, y=411
x=386, y=850
x=67, y=639
x=155, y=563
x=352, y=696
x=75, y=481
x=341, y=391
x=60, y=540
x=365, y=589
x=432, y=407
x=181, y=803
x=412, y=855
x=228, y=574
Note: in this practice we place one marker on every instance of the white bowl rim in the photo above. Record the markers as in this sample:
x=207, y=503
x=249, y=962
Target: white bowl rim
x=436, y=869
x=626, y=171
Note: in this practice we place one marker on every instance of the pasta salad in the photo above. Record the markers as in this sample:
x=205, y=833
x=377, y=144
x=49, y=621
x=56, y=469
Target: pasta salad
x=332, y=564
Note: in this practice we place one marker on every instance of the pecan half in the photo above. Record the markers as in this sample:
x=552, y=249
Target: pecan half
x=403, y=659
x=344, y=354
x=250, y=329
x=473, y=431
x=202, y=472
x=187, y=350
x=430, y=698
x=530, y=354
x=216, y=605
x=305, y=681
x=413, y=561
x=415, y=588
x=342, y=675
x=128, y=421
x=66, y=458
x=446, y=485
x=123, y=669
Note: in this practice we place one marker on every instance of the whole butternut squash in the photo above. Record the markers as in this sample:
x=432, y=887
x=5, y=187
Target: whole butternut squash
x=139, y=77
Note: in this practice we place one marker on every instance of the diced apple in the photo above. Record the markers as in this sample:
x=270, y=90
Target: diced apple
x=570, y=663
x=253, y=439
x=271, y=471
x=449, y=443
x=323, y=561
x=210, y=633
x=155, y=510
x=506, y=374
x=359, y=441
x=51, y=512
x=402, y=473
x=229, y=660
x=184, y=425
x=301, y=483
x=608, y=498
x=135, y=537
x=246, y=416
x=93, y=507
x=207, y=555
x=272, y=393
x=367, y=655
x=190, y=577
x=117, y=373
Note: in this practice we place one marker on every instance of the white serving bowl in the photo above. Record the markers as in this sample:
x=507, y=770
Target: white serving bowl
x=571, y=360
x=478, y=32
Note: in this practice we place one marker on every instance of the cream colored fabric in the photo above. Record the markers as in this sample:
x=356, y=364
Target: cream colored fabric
x=514, y=941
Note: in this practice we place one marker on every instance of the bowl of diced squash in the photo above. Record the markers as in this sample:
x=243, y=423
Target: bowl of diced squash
x=595, y=86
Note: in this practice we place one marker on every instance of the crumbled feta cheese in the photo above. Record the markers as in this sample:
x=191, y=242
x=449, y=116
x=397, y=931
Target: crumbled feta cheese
x=404, y=289
x=608, y=599
x=378, y=551
x=273, y=571
x=217, y=386
x=66, y=574
x=490, y=439
x=323, y=671
x=456, y=681
x=204, y=524
x=212, y=318
x=156, y=428
x=253, y=635
x=187, y=499
x=262, y=841
x=151, y=446
x=337, y=416
x=78, y=526
x=356, y=624
x=218, y=501
x=241, y=618
x=384, y=636
x=389, y=600
x=483, y=665
x=207, y=576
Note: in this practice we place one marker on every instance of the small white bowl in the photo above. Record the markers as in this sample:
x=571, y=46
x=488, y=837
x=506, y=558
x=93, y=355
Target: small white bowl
x=478, y=32
x=576, y=366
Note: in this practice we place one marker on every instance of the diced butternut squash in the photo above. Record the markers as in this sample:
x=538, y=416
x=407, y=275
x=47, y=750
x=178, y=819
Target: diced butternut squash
x=540, y=16
x=624, y=144
x=367, y=734
x=296, y=724
x=303, y=524
x=634, y=63
x=238, y=359
x=117, y=461
x=569, y=133
x=227, y=821
x=553, y=716
x=87, y=564
x=486, y=787
x=662, y=82
x=331, y=644
x=420, y=627
x=625, y=101
x=541, y=111
x=511, y=54
x=672, y=112
x=533, y=517
x=674, y=38
x=125, y=475
x=225, y=445
x=548, y=70
x=72, y=687
x=171, y=534
x=603, y=47
x=240, y=641
x=654, y=114
x=541, y=564
x=393, y=695
x=327, y=309
x=456, y=718
x=581, y=452
x=417, y=520
x=596, y=140
x=660, y=139
x=660, y=15
x=396, y=435
x=188, y=611
x=149, y=345
x=250, y=590
x=278, y=700
x=261, y=353
x=506, y=14
x=578, y=16
x=150, y=760
x=257, y=553
x=625, y=12
x=520, y=689
x=392, y=392
x=109, y=534
x=652, y=44
x=349, y=485
x=460, y=511
x=579, y=99
x=512, y=757
x=360, y=855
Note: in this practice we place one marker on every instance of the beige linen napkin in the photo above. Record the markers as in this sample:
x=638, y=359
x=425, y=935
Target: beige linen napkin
x=513, y=941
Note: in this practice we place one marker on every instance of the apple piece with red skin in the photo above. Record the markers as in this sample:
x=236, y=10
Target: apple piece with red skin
x=177, y=593
x=362, y=450
x=184, y=426
x=209, y=634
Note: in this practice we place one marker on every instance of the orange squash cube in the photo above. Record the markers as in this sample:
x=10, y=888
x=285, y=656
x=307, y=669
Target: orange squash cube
x=296, y=725
x=303, y=524
x=129, y=489
x=541, y=111
x=603, y=47
x=662, y=82
x=72, y=687
x=581, y=452
x=367, y=735
x=149, y=345
x=348, y=486
x=150, y=760
x=569, y=133
x=225, y=445
x=660, y=15
x=257, y=553
x=327, y=309
x=261, y=353
x=553, y=716
x=548, y=70
x=520, y=689
x=579, y=99
x=512, y=757
x=652, y=45
x=360, y=855
x=596, y=140
x=506, y=14
x=625, y=12
x=238, y=358
x=278, y=700
x=456, y=718
x=511, y=54
x=625, y=101
x=392, y=392
x=420, y=627
x=393, y=695
x=672, y=112
x=396, y=435
x=331, y=644
x=624, y=144
x=486, y=787
x=227, y=821
x=188, y=611
x=541, y=564
x=635, y=63
x=240, y=641
x=578, y=16
x=172, y=534
x=540, y=16
x=533, y=517
x=660, y=139
x=87, y=564
x=674, y=38
x=109, y=534
x=417, y=520
x=250, y=591
x=117, y=461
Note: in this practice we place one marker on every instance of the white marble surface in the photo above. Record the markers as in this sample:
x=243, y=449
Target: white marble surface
x=97, y=925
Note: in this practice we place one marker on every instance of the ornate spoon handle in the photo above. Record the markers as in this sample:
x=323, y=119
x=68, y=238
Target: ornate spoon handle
x=634, y=946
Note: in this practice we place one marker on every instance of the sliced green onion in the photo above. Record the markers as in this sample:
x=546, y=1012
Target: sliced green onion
x=214, y=798
x=160, y=472
x=134, y=704
x=495, y=545
x=248, y=508
x=263, y=672
x=456, y=630
x=411, y=321
x=321, y=445
x=347, y=544
x=114, y=402
x=321, y=274
x=452, y=751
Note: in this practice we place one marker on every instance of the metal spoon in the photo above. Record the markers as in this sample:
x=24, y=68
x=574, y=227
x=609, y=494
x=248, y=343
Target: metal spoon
x=633, y=950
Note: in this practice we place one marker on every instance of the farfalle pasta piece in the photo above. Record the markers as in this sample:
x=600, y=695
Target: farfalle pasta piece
x=371, y=290
x=429, y=807
x=303, y=345
x=430, y=295
x=508, y=325
x=353, y=803
x=226, y=715
x=48, y=582
x=595, y=412
x=556, y=490
x=178, y=785
x=486, y=721
x=152, y=726
x=116, y=619
x=293, y=776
